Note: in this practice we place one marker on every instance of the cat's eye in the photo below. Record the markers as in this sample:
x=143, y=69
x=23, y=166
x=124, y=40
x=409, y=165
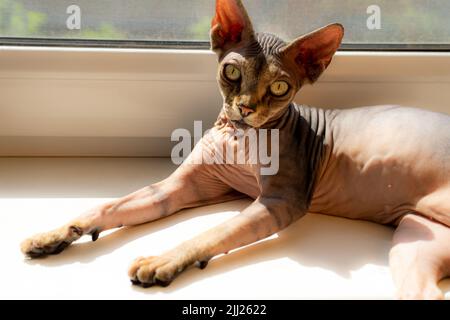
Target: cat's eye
x=279, y=88
x=232, y=73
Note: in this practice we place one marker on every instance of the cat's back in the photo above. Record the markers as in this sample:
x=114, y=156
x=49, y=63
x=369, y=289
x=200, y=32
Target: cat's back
x=383, y=160
x=392, y=129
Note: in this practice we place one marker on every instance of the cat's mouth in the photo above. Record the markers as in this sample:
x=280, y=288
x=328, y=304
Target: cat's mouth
x=236, y=120
x=240, y=124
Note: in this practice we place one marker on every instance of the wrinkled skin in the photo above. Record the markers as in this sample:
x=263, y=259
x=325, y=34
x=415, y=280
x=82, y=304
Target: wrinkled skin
x=386, y=164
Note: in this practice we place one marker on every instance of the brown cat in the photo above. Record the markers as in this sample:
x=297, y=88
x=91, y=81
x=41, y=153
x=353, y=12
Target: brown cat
x=385, y=164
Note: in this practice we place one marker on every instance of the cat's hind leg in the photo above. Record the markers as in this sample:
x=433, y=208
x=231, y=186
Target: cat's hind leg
x=420, y=257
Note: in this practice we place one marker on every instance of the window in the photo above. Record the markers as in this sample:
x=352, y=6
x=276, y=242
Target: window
x=380, y=24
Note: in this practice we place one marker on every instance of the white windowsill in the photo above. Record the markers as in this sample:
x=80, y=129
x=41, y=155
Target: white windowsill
x=318, y=257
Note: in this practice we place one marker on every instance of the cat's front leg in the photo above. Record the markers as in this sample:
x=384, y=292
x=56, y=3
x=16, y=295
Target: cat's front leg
x=190, y=185
x=261, y=219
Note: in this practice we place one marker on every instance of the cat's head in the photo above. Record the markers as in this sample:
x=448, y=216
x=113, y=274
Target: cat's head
x=259, y=74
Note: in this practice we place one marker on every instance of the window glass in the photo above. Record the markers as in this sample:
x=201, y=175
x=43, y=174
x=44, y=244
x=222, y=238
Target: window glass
x=380, y=22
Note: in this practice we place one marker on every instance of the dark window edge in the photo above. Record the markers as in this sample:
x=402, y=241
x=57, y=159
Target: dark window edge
x=122, y=44
x=196, y=45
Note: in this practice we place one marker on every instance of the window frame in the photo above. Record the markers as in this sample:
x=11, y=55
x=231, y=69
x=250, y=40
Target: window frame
x=202, y=45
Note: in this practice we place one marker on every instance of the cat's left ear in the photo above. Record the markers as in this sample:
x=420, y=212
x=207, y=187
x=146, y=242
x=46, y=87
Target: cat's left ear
x=231, y=26
x=312, y=53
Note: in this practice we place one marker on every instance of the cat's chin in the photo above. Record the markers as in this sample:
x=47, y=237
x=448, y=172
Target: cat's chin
x=240, y=124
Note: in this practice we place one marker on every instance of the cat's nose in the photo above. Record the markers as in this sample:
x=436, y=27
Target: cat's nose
x=246, y=110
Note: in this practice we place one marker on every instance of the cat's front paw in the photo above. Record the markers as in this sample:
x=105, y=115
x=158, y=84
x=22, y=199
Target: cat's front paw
x=154, y=270
x=52, y=242
x=161, y=270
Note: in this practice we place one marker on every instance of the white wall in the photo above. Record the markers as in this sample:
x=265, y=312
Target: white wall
x=126, y=102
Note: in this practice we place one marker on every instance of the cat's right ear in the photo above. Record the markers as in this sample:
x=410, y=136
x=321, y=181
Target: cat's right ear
x=231, y=26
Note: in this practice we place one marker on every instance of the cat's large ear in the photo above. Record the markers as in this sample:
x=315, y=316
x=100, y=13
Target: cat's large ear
x=312, y=53
x=231, y=26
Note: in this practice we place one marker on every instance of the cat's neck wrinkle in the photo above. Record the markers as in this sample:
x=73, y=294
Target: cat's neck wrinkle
x=318, y=131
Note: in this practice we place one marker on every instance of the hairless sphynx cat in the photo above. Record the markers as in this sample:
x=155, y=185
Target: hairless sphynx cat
x=386, y=164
